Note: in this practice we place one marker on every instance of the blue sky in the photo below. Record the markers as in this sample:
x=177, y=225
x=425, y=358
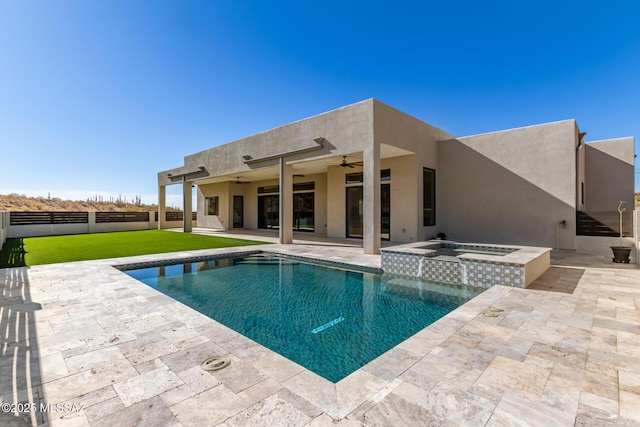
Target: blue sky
x=96, y=97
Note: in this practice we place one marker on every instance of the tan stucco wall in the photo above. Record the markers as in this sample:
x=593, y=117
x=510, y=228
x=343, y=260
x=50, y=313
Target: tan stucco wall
x=346, y=130
x=599, y=245
x=404, y=203
x=321, y=202
x=404, y=221
x=223, y=219
x=609, y=174
x=395, y=128
x=536, y=267
x=336, y=201
x=510, y=187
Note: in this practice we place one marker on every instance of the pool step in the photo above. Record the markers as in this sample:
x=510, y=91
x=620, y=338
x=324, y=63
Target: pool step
x=266, y=261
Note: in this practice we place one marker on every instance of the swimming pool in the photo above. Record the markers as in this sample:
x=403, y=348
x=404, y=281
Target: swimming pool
x=331, y=321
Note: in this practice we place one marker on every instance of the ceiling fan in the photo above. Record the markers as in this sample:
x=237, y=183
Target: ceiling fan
x=241, y=182
x=346, y=164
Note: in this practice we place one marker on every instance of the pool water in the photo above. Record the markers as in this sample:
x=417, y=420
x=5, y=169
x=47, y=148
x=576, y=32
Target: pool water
x=454, y=250
x=331, y=321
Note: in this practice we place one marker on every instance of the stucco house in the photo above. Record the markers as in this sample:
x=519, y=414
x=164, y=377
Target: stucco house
x=368, y=171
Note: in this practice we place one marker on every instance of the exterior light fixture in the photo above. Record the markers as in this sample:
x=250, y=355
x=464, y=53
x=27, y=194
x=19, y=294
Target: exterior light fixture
x=247, y=157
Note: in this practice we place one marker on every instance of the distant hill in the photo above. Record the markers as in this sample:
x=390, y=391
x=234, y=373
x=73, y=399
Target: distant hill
x=16, y=202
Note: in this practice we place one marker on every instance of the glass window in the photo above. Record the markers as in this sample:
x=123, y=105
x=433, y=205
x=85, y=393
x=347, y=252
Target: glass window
x=268, y=189
x=300, y=186
x=304, y=186
x=211, y=204
x=358, y=177
x=354, y=178
x=428, y=197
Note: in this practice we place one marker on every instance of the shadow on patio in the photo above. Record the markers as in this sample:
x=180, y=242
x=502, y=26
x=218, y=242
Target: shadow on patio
x=20, y=375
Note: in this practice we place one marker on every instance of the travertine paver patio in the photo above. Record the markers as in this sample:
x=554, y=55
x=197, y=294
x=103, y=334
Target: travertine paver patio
x=566, y=353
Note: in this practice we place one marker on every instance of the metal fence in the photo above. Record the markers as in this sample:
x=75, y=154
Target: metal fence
x=105, y=217
x=176, y=216
x=33, y=218
x=31, y=224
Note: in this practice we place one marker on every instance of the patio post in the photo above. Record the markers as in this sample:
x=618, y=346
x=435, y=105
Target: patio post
x=285, y=219
x=371, y=199
x=162, y=206
x=187, y=204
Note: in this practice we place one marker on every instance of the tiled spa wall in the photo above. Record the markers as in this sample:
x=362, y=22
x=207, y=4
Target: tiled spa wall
x=478, y=273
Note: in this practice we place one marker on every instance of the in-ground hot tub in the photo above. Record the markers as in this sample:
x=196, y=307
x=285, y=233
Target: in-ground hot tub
x=472, y=264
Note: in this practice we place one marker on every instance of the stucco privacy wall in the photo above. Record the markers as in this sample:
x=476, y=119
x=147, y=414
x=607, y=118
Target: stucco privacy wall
x=38, y=230
x=599, y=245
x=512, y=186
x=4, y=225
x=609, y=174
x=636, y=235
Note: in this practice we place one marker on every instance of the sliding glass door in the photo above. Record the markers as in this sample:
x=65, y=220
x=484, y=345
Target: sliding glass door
x=268, y=212
x=303, y=212
x=354, y=212
x=385, y=211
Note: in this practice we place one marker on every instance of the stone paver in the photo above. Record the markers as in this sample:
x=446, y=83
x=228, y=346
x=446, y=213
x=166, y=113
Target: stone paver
x=108, y=350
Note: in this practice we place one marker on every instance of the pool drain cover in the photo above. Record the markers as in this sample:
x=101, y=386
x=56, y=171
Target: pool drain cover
x=215, y=363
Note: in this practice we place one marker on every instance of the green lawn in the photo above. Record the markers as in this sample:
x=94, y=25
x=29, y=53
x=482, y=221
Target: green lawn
x=30, y=251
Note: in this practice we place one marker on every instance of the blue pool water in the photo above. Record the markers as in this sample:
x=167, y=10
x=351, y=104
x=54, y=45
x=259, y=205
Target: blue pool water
x=329, y=320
